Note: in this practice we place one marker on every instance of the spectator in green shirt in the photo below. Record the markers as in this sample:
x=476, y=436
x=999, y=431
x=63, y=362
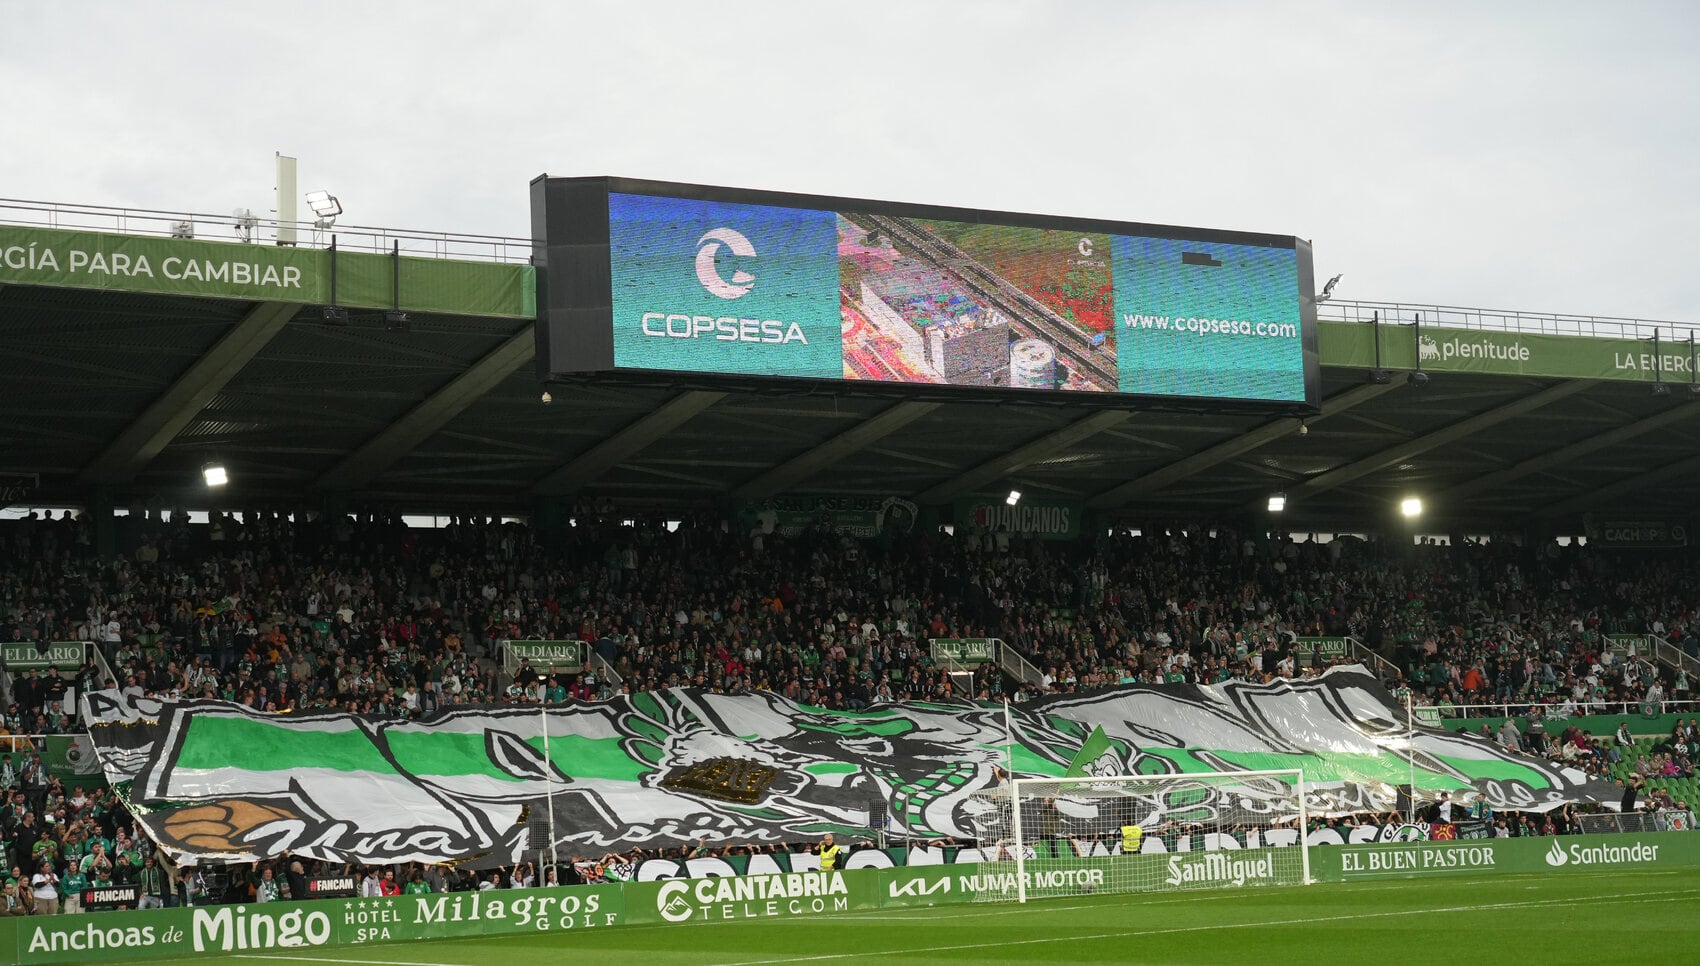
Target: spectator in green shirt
x=71, y=886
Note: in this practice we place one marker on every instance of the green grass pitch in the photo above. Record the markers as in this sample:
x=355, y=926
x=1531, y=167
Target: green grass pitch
x=1541, y=920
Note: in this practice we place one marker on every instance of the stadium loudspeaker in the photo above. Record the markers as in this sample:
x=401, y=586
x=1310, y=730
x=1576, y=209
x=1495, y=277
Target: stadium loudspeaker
x=537, y=826
x=1403, y=799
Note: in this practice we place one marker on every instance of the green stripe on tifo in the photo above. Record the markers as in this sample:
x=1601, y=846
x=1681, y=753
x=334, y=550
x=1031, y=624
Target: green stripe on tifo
x=1325, y=768
x=214, y=743
x=831, y=768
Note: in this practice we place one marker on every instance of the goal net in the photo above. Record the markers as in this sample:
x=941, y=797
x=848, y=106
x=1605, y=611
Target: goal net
x=1046, y=837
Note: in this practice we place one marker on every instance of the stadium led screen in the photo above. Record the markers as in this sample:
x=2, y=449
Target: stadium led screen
x=643, y=277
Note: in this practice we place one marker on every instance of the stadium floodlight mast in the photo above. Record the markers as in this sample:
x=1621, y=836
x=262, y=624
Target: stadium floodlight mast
x=214, y=473
x=1411, y=507
x=1328, y=290
x=1013, y=498
x=326, y=206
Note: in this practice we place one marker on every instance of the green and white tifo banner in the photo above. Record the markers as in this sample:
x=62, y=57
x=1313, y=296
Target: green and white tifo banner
x=660, y=769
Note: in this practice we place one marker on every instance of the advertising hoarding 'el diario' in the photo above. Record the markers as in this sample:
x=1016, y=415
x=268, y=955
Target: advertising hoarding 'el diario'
x=659, y=279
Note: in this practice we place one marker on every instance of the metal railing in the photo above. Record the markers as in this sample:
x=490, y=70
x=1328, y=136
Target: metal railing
x=1662, y=820
x=1667, y=653
x=1550, y=710
x=253, y=228
x=608, y=679
x=1015, y=665
x=1504, y=320
x=1362, y=653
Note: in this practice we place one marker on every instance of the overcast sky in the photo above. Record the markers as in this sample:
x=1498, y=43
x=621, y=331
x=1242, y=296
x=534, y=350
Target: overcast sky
x=1537, y=156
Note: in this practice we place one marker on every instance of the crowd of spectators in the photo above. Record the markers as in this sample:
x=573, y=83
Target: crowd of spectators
x=286, y=612
x=369, y=615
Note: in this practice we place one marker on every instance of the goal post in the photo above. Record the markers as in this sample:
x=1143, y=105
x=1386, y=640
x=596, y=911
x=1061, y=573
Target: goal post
x=1144, y=833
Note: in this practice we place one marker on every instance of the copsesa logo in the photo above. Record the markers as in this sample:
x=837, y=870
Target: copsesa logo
x=708, y=272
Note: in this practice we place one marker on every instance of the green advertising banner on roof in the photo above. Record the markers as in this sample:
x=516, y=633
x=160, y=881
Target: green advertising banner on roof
x=1495, y=352
x=263, y=273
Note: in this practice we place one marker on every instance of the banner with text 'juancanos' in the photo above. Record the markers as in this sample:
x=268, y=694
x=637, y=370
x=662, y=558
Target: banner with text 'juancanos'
x=1498, y=352
x=665, y=768
x=1028, y=518
x=263, y=273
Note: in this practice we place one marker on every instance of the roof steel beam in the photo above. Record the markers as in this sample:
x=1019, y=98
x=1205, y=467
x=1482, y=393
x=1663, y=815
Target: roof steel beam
x=1462, y=429
x=1190, y=466
x=856, y=438
x=1024, y=456
x=627, y=443
x=166, y=416
x=1567, y=455
x=422, y=421
x=1633, y=483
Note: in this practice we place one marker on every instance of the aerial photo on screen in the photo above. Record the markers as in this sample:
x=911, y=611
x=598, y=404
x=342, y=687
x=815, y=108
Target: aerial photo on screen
x=975, y=305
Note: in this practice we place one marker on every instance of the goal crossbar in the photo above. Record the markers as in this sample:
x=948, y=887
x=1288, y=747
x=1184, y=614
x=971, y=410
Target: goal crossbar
x=1254, y=788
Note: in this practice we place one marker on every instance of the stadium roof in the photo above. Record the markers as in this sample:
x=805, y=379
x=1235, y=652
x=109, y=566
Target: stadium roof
x=133, y=384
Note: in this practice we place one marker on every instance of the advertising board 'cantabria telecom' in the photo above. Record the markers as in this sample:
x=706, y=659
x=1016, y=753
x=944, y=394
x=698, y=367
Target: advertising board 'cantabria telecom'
x=649, y=278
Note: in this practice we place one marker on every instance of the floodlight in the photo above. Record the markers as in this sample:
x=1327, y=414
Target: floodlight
x=1328, y=290
x=1277, y=502
x=324, y=204
x=1411, y=506
x=214, y=474
x=1013, y=498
